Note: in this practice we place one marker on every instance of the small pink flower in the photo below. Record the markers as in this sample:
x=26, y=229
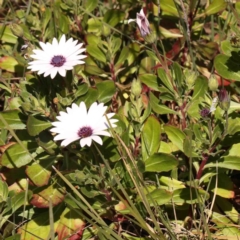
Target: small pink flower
x=142, y=22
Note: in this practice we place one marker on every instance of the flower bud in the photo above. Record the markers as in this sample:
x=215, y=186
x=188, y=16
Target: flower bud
x=151, y=37
x=190, y=77
x=204, y=112
x=213, y=83
x=224, y=99
x=16, y=30
x=136, y=88
x=142, y=22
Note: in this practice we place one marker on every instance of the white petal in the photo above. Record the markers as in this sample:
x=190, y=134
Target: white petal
x=53, y=73
x=62, y=72
x=102, y=133
x=68, y=141
x=86, y=141
x=142, y=13
x=97, y=139
x=62, y=40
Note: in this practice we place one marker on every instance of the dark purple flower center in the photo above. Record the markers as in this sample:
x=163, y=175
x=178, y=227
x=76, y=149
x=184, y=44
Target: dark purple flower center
x=58, y=61
x=204, y=112
x=85, y=132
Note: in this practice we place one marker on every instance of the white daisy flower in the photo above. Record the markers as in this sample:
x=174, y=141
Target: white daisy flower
x=78, y=123
x=142, y=22
x=57, y=57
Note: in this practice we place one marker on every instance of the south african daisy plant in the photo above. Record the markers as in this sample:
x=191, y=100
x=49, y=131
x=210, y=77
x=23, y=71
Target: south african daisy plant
x=119, y=119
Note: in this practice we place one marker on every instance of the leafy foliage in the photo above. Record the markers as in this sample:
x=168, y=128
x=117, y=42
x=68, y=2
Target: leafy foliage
x=170, y=169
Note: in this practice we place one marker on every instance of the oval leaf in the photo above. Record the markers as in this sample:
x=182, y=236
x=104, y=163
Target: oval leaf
x=35, y=126
x=150, y=137
x=55, y=192
x=39, y=173
x=95, y=52
x=228, y=67
x=229, y=162
x=175, y=135
x=16, y=156
x=106, y=90
x=160, y=162
x=14, y=118
x=216, y=6
x=159, y=197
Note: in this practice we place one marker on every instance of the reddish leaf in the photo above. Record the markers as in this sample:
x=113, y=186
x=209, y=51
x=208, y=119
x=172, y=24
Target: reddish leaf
x=41, y=199
x=70, y=224
x=3, y=148
x=176, y=48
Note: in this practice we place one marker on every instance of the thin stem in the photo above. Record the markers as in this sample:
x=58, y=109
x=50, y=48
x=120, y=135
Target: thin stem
x=213, y=148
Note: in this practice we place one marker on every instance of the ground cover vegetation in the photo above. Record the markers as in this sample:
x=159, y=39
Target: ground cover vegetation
x=119, y=119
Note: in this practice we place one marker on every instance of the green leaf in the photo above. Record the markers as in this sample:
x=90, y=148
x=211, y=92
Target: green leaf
x=7, y=35
x=224, y=186
x=188, y=144
x=94, y=25
x=68, y=224
x=90, y=5
x=16, y=156
x=171, y=183
x=113, y=17
x=14, y=237
x=106, y=90
x=134, y=50
x=10, y=64
x=35, y=125
x=169, y=8
x=234, y=151
x=15, y=202
x=216, y=6
x=160, y=162
x=81, y=90
x=95, y=52
x=234, y=106
x=146, y=65
x=208, y=50
x=3, y=191
x=40, y=173
x=224, y=224
x=200, y=88
x=159, y=197
x=150, y=80
x=227, y=207
x=178, y=75
x=159, y=108
x=150, y=137
x=175, y=135
x=228, y=67
x=123, y=56
x=39, y=227
x=165, y=80
x=233, y=126
x=63, y=23
x=229, y=162
x=14, y=118
x=54, y=191
x=90, y=97
x=47, y=15
x=115, y=44
x=227, y=48
x=92, y=68
x=110, y=150
x=189, y=196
